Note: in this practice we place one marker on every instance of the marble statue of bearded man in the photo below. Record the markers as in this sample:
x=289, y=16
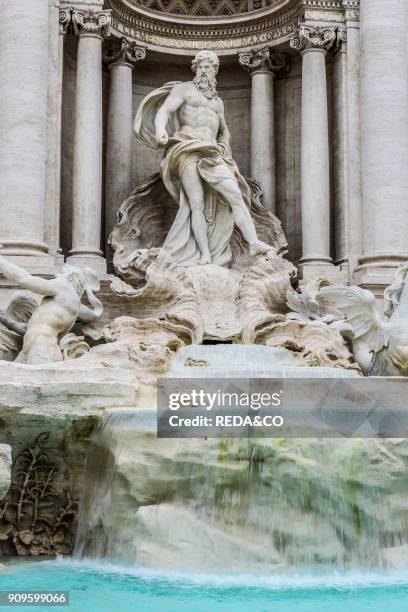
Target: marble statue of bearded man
x=187, y=120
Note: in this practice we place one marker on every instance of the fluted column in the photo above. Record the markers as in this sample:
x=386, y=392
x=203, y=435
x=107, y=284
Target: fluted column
x=262, y=65
x=314, y=42
x=121, y=57
x=92, y=26
x=355, y=224
x=339, y=135
x=59, y=21
x=384, y=138
x=23, y=126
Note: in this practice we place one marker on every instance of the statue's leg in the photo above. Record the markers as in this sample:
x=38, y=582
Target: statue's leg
x=231, y=192
x=193, y=187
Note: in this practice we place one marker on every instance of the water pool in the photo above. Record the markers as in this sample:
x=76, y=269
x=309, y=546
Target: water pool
x=99, y=588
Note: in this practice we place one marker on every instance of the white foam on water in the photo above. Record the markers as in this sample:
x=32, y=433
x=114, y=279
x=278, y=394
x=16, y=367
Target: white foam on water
x=280, y=581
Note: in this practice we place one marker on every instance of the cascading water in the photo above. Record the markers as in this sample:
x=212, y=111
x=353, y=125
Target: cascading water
x=242, y=505
x=250, y=505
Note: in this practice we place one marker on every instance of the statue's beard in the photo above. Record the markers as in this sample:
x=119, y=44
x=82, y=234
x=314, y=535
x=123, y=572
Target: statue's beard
x=207, y=84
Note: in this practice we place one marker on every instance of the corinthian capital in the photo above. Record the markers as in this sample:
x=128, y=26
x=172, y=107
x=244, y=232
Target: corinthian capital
x=313, y=37
x=263, y=60
x=92, y=22
x=125, y=51
x=64, y=20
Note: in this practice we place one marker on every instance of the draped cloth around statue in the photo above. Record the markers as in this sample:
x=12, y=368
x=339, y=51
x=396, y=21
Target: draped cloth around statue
x=213, y=165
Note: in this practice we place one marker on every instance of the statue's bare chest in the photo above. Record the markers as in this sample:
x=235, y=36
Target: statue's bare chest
x=196, y=101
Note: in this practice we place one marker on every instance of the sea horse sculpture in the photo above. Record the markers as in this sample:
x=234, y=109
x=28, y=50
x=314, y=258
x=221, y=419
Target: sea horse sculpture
x=380, y=341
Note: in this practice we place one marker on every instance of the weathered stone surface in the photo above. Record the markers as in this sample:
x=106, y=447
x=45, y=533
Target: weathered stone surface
x=5, y=469
x=48, y=414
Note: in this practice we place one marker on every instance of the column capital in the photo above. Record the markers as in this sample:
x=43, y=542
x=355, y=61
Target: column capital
x=123, y=51
x=64, y=20
x=92, y=22
x=263, y=60
x=313, y=38
x=341, y=39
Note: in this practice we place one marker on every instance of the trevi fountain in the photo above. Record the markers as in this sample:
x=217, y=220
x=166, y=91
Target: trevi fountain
x=202, y=193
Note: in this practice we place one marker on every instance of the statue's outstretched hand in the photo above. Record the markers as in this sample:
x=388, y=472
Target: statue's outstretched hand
x=162, y=138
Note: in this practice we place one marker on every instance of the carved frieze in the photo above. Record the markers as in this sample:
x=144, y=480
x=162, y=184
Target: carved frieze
x=123, y=50
x=92, y=22
x=313, y=37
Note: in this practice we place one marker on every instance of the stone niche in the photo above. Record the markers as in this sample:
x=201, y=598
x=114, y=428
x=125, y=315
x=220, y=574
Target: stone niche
x=235, y=90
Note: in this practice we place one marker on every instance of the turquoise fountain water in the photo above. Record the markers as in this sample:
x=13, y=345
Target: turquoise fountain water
x=103, y=588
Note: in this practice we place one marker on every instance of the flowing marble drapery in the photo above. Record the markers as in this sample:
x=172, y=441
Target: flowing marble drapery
x=214, y=166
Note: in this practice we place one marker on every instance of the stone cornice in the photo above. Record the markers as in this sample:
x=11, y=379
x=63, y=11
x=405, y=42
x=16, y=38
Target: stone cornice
x=123, y=51
x=183, y=34
x=263, y=60
x=189, y=35
x=91, y=22
x=79, y=4
x=310, y=37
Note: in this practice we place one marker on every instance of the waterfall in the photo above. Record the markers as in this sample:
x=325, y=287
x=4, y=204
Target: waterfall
x=252, y=505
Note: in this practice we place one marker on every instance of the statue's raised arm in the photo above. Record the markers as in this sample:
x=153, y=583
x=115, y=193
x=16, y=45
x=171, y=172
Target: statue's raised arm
x=24, y=279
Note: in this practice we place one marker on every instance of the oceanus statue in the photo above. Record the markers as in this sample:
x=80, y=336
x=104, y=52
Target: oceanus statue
x=44, y=324
x=187, y=120
x=379, y=340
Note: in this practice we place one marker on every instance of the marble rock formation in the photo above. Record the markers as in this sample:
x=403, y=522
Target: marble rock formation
x=48, y=415
x=176, y=505
x=36, y=333
x=201, y=301
x=245, y=302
